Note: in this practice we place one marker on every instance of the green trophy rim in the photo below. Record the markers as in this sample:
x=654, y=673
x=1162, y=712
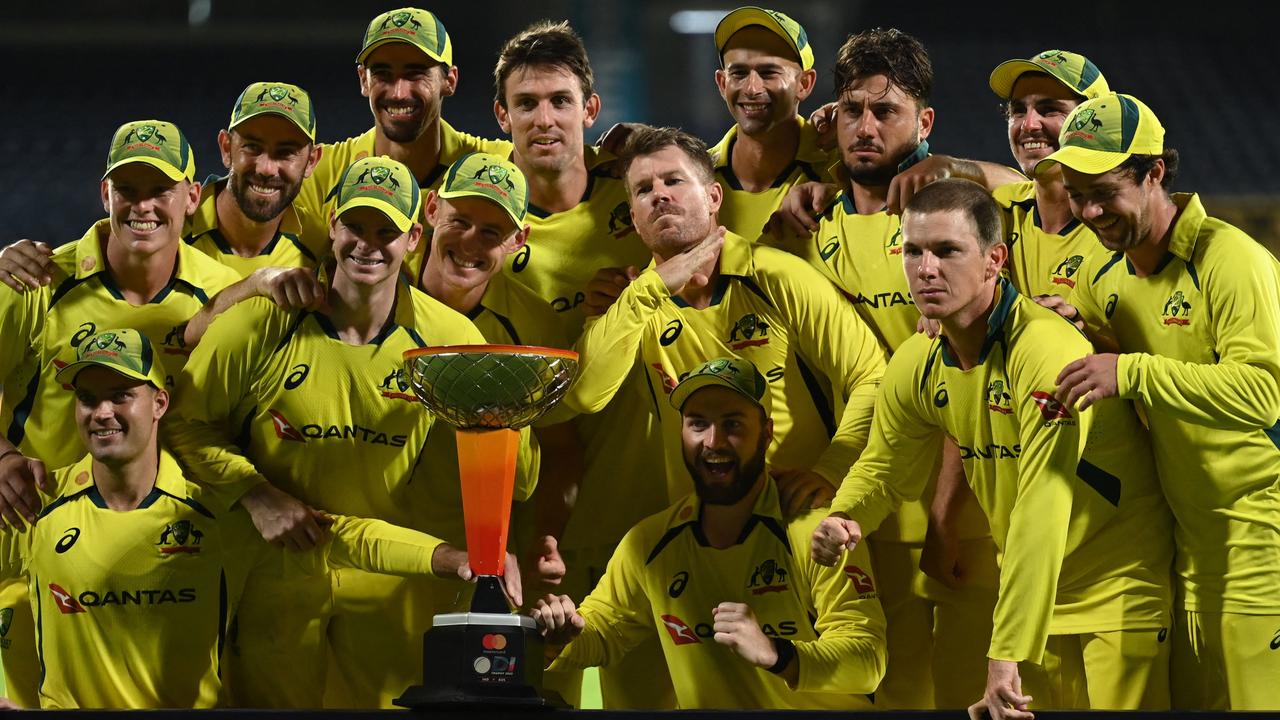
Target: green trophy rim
x=485, y=387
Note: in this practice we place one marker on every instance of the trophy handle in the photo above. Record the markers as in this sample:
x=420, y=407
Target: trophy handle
x=487, y=466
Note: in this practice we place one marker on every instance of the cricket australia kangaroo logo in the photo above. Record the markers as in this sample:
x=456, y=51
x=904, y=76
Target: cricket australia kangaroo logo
x=1177, y=311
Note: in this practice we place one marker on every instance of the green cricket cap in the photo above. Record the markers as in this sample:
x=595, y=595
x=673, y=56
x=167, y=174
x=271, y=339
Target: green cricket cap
x=1101, y=134
x=739, y=375
x=490, y=177
x=1075, y=71
x=419, y=28
x=384, y=185
x=779, y=23
x=270, y=98
x=126, y=352
x=152, y=142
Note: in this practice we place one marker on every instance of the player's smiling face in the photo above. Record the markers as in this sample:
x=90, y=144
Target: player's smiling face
x=1036, y=111
x=117, y=416
x=877, y=127
x=673, y=206
x=405, y=89
x=369, y=247
x=546, y=115
x=470, y=239
x=725, y=437
x=762, y=82
x=1113, y=205
x=267, y=158
x=948, y=271
x=146, y=208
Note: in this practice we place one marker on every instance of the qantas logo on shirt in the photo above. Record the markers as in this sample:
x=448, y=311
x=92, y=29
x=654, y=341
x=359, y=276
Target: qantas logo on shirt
x=1049, y=406
x=879, y=300
x=65, y=602
x=749, y=331
x=1066, y=270
x=997, y=399
x=993, y=451
x=1177, y=311
x=311, y=431
x=861, y=580
x=763, y=577
x=69, y=603
x=679, y=630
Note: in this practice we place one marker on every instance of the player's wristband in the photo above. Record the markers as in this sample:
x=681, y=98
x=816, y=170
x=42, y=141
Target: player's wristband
x=786, y=653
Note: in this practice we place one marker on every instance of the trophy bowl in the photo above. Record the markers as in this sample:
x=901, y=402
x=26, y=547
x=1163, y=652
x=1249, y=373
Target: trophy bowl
x=483, y=387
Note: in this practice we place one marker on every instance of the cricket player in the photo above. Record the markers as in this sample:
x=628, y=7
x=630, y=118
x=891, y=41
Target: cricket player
x=722, y=296
x=134, y=578
x=304, y=392
x=766, y=71
x=750, y=621
x=405, y=68
x=580, y=222
x=1071, y=495
x=131, y=268
x=937, y=631
x=1186, y=312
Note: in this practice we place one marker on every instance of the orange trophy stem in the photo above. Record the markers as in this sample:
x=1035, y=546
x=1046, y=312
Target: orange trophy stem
x=487, y=466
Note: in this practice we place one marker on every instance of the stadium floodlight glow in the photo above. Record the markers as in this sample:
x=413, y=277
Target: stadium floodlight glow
x=696, y=22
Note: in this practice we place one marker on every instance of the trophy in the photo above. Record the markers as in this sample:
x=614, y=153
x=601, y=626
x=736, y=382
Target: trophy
x=487, y=392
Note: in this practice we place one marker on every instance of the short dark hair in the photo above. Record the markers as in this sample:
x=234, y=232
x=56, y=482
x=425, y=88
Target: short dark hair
x=647, y=140
x=1138, y=167
x=968, y=197
x=543, y=44
x=889, y=52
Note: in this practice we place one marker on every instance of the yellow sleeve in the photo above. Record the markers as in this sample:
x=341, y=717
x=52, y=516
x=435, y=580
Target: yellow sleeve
x=21, y=321
x=1051, y=440
x=1241, y=391
x=1084, y=298
x=831, y=336
x=849, y=655
x=13, y=549
x=889, y=471
x=617, y=612
x=213, y=399
x=378, y=547
x=610, y=343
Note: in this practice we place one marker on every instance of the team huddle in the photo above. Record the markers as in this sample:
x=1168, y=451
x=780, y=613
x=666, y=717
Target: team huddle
x=857, y=424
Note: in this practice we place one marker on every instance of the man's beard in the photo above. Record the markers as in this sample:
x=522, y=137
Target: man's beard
x=744, y=477
x=256, y=210
x=877, y=175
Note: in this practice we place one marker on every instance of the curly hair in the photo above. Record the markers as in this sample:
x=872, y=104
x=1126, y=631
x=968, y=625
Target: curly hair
x=889, y=52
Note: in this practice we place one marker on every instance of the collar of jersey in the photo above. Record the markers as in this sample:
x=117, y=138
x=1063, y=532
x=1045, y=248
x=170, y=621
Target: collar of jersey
x=450, y=150
x=1186, y=229
x=599, y=164
x=90, y=247
x=767, y=511
x=169, y=481
x=809, y=157
x=205, y=221
x=401, y=312
x=736, y=260
x=1006, y=296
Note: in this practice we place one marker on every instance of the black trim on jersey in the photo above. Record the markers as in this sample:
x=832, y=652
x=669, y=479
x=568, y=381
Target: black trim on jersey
x=1195, y=276
x=928, y=363
x=431, y=177
x=40, y=630
x=1107, y=485
x=542, y=214
x=995, y=324
x=1160, y=266
x=297, y=243
x=157, y=493
x=325, y=324
x=151, y=498
x=222, y=616
x=293, y=328
x=717, y=293
x=62, y=500
x=242, y=440
x=751, y=285
x=417, y=339
x=478, y=310
x=67, y=286
x=22, y=412
x=1273, y=433
x=95, y=497
x=1117, y=257
x=731, y=178
x=385, y=333
x=1029, y=205
x=653, y=394
x=820, y=402
x=668, y=536
x=772, y=525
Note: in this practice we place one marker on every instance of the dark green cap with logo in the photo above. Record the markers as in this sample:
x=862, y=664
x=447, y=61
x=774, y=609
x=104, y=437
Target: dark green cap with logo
x=778, y=23
x=156, y=143
x=126, y=352
x=490, y=177
x=270, y=98
x=418, y=28
x=739, y=375
x=384, y=185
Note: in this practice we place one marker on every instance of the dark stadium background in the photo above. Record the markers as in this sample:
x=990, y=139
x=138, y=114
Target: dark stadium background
x=76, y=70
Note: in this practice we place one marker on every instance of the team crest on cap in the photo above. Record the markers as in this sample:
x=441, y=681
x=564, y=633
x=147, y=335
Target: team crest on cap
x=1086, y=117
x=401, y=19
x=498, y=175
x=1053, y=57
x=378, y=175
x=1177, y=311
x=144, y=133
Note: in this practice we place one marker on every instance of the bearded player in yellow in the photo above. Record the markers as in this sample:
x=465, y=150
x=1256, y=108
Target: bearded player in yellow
x=304, y=392
x=1185, y=312
x=131, y=621
x=1072, y=498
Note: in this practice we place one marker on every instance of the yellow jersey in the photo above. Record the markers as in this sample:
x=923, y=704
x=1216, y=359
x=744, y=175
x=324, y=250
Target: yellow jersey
x=1041, y=263
x=287, y=249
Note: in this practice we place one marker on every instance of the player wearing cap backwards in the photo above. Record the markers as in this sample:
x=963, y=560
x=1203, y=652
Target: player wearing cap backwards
x=136, y=580
x=750, y=621
x=316, y=400
x=1192, y=306
x=579, y=220
x=710, y=293
x=1071, y=496
x=766, y=71
x=478, y=217
x=131, y=267
x=405, y=67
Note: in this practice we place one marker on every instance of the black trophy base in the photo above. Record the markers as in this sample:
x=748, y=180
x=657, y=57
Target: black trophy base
x=488, y=656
